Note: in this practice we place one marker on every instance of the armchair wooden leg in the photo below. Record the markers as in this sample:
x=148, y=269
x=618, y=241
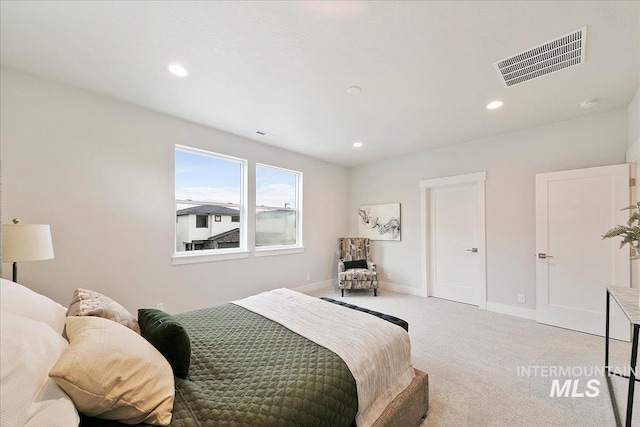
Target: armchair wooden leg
x=375, y=292
x=342, y=290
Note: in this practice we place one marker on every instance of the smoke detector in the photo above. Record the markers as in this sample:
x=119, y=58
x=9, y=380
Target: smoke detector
x=549, y=57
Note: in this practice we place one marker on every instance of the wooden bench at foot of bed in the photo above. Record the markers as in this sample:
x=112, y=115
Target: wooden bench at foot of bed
x=410, y=407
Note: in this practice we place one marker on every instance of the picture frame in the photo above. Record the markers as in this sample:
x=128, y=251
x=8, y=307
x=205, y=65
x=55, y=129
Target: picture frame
x=379, y=222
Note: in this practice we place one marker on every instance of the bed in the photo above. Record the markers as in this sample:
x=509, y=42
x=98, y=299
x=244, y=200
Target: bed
x=248, y=370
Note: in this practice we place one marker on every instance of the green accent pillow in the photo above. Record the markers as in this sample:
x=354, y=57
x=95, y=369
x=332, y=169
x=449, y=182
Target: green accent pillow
x=167, y=335
x=360, y=263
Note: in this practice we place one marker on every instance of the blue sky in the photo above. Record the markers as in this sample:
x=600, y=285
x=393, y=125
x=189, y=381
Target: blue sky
x=209, y=179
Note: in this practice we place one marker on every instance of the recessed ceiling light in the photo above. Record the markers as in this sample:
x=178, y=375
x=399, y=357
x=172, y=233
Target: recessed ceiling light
x=588, y=103
x=357, y=144
x=353, y=90
x=178, y=70
x=494, y=104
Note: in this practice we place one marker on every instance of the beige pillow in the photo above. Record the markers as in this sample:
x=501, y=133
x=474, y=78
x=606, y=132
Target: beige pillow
x=111, y=372
x=92, y=303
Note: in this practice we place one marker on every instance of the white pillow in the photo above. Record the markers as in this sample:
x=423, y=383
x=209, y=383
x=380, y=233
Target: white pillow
x=22, y=301
x=112, y=372
x=29, y=397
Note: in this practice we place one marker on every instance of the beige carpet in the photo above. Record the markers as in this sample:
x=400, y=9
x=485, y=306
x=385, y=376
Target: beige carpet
x=472, y=358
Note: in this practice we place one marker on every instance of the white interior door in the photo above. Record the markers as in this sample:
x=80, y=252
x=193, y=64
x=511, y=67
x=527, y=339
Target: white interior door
x=456, y=249
x=574, y=265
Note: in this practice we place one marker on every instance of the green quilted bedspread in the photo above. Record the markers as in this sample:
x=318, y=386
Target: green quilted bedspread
x=247, y=370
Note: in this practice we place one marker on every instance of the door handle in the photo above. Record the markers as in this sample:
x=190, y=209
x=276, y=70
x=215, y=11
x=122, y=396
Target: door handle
x=474, y=250
x=544, y=256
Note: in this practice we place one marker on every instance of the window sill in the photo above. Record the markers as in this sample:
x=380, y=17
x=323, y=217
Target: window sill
x=274, y=251
x=208, y=257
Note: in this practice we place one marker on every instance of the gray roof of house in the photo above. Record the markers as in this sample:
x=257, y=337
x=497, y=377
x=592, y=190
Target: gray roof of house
x=207, y=209
x=231, y=236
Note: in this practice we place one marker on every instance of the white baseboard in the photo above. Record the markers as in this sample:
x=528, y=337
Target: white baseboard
x=317, y=286
x=401, y=289
x=525, y=313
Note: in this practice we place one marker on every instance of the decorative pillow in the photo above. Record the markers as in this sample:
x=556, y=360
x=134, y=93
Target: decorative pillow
x=22, y=301
x=166, y=334
x=113, y=373
x=350, y=265
x=28, y=396
x=92, y=303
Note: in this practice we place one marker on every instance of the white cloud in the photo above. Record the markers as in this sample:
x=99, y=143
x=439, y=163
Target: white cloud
x=276, y=195
x=209, y=194
x=267, y=195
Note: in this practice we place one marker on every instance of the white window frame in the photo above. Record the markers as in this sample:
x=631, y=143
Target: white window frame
x=298, y=247
x=190, y=257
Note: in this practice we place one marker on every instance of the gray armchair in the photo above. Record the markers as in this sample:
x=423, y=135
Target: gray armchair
x=356, y=276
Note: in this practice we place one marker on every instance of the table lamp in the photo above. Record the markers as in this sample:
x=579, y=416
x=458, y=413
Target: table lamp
x=25, y=242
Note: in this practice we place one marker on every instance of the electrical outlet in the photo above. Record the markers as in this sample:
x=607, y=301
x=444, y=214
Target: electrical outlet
x=522, y=298
x=160, y=306
x=308, y=277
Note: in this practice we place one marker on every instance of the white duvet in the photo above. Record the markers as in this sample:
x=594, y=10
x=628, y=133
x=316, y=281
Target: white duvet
x=377, y=352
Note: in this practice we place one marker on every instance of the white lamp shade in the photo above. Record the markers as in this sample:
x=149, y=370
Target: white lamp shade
x=26, y=242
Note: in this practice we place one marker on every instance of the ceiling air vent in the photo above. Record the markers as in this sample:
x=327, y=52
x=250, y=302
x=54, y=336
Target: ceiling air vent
x=546, y=58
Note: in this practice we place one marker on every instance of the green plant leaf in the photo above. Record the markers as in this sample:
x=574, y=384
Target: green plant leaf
x=616, y=231
x=630, y=232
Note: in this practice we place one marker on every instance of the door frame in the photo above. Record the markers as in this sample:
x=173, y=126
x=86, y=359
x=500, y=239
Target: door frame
x=426, y=186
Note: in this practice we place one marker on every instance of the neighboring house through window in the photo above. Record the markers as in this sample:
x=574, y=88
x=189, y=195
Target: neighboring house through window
x=278, y=207
x=210, y=198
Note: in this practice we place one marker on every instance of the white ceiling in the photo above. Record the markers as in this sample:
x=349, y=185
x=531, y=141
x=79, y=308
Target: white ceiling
x=425, y=68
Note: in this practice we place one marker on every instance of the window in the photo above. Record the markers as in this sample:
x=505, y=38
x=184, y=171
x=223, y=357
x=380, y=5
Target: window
x=202, y=221
x=209, y=184
x=235, y=218
x=278, y=207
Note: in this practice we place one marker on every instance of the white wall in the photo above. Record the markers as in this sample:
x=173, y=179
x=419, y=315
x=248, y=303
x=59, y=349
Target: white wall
x=634, y=119
x=511, y=162
x=101, y=172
